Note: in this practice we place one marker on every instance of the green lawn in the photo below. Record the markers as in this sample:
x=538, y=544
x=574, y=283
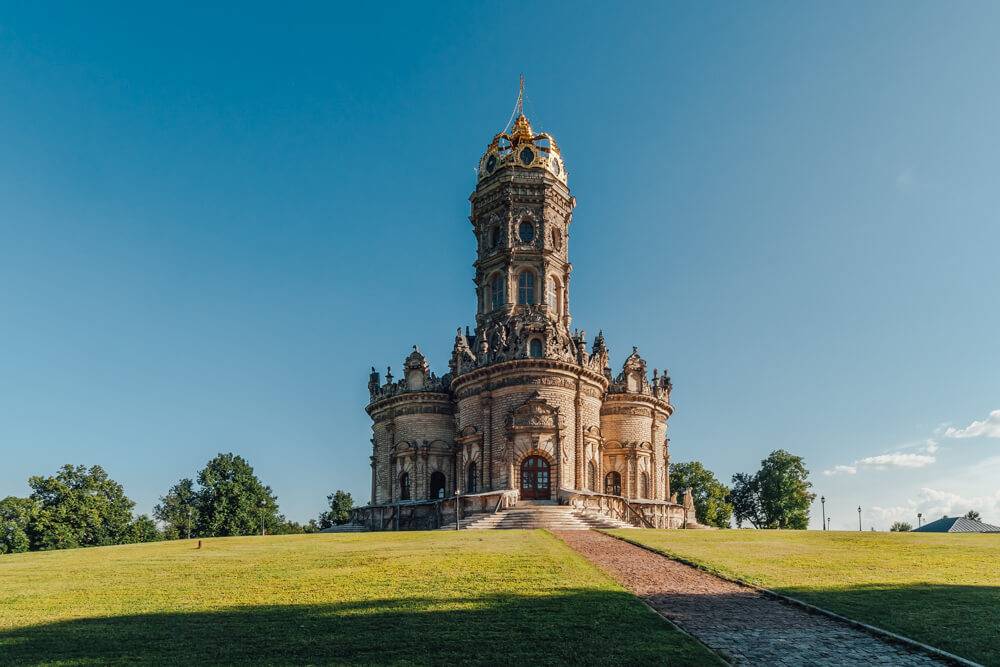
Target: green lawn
x=937, y=588
x=497, y=597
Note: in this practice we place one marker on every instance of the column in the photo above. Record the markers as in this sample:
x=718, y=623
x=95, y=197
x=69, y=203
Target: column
x=486, y=402
x=578, y=467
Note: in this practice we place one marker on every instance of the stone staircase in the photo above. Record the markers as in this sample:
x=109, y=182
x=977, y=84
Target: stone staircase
x=528, y=514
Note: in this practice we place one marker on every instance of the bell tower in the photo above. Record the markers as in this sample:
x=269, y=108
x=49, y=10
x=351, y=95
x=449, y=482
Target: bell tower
x=521, y=212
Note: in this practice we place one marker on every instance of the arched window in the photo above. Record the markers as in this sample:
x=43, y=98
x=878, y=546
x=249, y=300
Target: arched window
x=591, y=476
x=404, y=486
x=471, y=478
x=644, y=485
x=497, y=292
x=552, y=293
x=613, y=483
x=526, y=288
x=535, y=348
x=494, y=236
x=438, y=483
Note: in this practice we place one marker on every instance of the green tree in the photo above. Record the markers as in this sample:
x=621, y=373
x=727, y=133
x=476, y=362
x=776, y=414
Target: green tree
x=15, y=517
x=78, y=507
x=339, y=513
x=745, y=499
x=143, y=529
x=232, y=501
x=776, y=496
x=784, y=490
x=900, y=527
x=711, y=504
x=178, y=510
x=973, y=514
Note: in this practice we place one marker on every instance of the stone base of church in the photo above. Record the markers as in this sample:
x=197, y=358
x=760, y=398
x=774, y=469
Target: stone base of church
x=432, y=514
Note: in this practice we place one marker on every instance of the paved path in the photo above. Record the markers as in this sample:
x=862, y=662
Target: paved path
x=742, y=624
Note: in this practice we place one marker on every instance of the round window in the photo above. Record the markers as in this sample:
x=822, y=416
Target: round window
x=491, y=164
x=526, y=231
x=527, y=156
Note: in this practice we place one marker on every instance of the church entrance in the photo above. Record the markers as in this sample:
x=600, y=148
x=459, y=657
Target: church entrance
x=535, y=479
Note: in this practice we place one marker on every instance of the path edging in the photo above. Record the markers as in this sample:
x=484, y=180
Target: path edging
x=724, y=658
x=870, y=629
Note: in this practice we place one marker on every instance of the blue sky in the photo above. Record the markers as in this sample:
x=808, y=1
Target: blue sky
x=213, y=221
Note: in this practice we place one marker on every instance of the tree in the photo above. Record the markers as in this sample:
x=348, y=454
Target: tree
x=784, y=490
x=15, y=517
x=232, y=501
x=143, y=529
x=78, y=507
x=745, y=499
x=776, y=496
x=900, y=527
x=178, y=510
x=711, y=504
x=339, y=513
x=973, y=514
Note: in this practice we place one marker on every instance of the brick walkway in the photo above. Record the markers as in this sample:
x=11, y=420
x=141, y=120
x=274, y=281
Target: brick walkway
x=747, y=627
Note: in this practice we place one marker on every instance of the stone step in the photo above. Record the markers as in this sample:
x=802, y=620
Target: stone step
x=527, y=515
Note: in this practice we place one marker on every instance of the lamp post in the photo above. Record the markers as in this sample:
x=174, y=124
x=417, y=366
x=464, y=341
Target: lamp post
x=822, y=501
x=859, y=517
x=828, y=523
x=262, y=505
x=189, y=522
x=920, y=515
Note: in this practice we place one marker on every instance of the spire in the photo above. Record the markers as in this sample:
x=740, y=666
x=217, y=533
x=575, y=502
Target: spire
x=520, y=98
x=522, y=131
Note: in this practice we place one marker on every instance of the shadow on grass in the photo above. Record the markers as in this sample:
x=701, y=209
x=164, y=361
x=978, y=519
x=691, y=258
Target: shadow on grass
x=964, y=620
x=577, y=626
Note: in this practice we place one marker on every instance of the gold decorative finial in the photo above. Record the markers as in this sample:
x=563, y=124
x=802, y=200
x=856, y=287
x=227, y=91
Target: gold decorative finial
x=522, y=128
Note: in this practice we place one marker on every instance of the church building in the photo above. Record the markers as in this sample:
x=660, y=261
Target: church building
x=529, y=406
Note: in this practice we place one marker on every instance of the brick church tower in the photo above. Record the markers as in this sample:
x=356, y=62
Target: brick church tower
x=525, y=407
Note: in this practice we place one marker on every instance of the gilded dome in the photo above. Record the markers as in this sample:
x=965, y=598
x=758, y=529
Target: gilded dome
x=522, y=148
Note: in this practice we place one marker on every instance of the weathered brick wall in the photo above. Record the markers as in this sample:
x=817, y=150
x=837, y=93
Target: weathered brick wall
x=420, y=418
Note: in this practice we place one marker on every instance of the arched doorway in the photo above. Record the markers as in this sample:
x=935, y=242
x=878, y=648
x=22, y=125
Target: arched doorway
x=437, y=484
x=613, y=483
x=535, y=479
x=404, y=486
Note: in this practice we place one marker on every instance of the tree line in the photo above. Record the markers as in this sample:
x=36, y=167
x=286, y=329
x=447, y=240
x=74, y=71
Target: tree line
x=775, y=496
x=84, y=507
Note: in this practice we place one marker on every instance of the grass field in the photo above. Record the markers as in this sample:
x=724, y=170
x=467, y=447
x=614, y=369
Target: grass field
x=940, y=589
x=497, y=597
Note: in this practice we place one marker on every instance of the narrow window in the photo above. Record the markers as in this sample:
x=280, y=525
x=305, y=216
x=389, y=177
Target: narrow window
x=471, y=478
x=526, y=288
x=644, y=485
x=535, y=348
x=591, y=476
x=497, y=291
x=550, y=294
x=404, y=486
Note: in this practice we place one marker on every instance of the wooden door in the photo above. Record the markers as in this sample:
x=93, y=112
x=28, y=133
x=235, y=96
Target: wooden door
x=535, y=479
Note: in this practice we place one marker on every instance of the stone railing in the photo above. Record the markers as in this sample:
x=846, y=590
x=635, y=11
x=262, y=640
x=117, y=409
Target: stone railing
x=639, y=512
x=430, y=514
